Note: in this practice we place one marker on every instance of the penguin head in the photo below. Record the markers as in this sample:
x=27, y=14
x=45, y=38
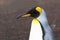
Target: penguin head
x=34, y=12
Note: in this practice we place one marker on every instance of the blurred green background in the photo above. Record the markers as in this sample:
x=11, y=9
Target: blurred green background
x=13, y=29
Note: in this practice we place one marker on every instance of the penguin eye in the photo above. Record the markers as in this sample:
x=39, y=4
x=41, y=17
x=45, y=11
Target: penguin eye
x=38, y=9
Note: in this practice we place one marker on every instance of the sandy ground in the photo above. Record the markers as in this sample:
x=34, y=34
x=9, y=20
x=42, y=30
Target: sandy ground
x=13, y=29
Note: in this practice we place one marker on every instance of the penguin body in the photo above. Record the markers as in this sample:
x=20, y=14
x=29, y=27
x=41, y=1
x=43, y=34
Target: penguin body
x=36, y=32
x=40, y=29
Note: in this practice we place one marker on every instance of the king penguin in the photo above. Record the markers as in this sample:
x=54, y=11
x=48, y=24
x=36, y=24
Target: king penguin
x=40, y=29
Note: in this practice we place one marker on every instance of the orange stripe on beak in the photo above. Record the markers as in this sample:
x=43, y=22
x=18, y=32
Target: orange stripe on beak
x=26, y=15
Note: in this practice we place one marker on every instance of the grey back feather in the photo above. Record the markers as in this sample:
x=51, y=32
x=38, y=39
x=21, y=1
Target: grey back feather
x=48, y=31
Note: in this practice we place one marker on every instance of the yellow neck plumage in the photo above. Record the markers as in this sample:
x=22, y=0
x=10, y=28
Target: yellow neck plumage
x=35, y=21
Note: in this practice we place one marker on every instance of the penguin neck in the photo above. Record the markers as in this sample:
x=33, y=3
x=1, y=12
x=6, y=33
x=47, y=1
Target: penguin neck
x=42, y=17
x=35, y=20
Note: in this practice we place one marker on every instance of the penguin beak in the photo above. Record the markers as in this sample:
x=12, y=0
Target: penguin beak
x=25, y=15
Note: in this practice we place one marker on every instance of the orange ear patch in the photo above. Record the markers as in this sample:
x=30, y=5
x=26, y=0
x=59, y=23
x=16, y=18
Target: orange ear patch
x=39, y=9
